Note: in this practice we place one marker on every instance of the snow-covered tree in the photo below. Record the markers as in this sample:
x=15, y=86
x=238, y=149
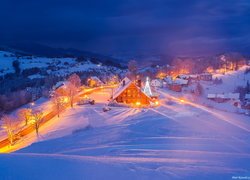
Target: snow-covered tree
x=74, y=82
x=59, y=102
x=198, y=90
x=10, y=125
x=37, y=119
x=24, y=115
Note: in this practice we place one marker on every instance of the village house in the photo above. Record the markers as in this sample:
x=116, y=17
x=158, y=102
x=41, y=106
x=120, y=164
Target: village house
x=156, y=83
x=129, y=93
x=188, y=76
x=247, y=97
x=94, y=81
x=206, y=77
x=167, y=80
x=177, y=84
x=220, y=98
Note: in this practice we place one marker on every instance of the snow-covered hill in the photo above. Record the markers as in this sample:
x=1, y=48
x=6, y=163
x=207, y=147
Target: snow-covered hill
x=53, y=66
x=230, y=81
x=173, y=141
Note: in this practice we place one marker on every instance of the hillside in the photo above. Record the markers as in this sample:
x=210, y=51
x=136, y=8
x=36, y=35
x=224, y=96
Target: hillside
x=55, y=66
x=172, y=141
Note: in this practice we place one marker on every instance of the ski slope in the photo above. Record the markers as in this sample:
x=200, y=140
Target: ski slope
x=174, y=141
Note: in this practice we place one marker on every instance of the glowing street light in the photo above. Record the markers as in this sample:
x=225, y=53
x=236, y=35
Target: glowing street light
x=138, y=103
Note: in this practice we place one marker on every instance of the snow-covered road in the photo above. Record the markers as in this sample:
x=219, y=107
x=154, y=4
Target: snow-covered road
x=176, y=140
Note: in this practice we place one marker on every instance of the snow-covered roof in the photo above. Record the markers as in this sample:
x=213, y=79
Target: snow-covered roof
x=183, y=76
x=224, y=96
x=211, y=96
x=59, y=84
x=247, y=96
x=168, y=79
x=35, y=76
x=233, y=95
x=206, y=74
x=181, y=81
x=95, y=78
x=158, y=80
x=122, y=86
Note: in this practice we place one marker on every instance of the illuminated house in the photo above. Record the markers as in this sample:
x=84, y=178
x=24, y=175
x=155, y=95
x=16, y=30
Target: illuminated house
x=130, y=93
x=94, y=81
x=156, y=83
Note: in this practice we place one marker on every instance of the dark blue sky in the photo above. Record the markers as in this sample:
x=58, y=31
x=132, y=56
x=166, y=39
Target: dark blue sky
x=186, y=27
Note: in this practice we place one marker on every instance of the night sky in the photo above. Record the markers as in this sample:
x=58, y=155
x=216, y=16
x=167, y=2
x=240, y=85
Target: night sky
x=179, y=27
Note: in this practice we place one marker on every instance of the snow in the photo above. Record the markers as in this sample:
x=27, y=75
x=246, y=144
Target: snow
x=231, y=80
x=174, y=141
x=63, y=66
x=247, y=96
x=234, y=96
x=180, y=81
x=35, y=76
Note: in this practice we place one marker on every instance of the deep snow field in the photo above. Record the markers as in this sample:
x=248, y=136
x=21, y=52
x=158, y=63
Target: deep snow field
x=174, y=141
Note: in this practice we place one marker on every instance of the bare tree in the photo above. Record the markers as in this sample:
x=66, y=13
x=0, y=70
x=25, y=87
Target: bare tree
x=24, y=115
x=132, y=67
x=37, y=119
x=74, y=82
x=198, y=90
x=10, y=126
x=59, y=102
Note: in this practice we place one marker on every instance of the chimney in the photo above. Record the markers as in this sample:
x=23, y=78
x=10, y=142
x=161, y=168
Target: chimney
x=139, y=83
x=123, y=83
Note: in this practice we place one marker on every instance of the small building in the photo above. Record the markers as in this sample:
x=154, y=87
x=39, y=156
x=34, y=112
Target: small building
x=220, y=98
x=94, y=81
x=166, y=81
x=156, y=83
x=206, y=77
x=175, y=87
x=182, y=82
x=129, y=93
x=247, y=97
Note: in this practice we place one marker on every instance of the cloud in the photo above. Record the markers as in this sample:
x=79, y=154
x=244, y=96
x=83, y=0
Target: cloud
x=111, y=26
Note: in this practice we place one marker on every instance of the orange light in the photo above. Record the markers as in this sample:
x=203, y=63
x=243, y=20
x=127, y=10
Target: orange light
x=138, y=103
x=157, y=103
x=182, y=100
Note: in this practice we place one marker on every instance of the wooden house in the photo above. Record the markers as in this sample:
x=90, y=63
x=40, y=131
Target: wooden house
x=206, y=77
x=129, y=93
x=94, y=81
x=221, y=98
x=156, y=83
x=175, y=87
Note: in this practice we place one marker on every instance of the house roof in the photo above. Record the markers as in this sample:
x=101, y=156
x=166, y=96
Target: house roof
x=211, y=96
x=159, y=80
x=168, y=79
x=122, y=87
x=181, y=81
x=247, y=96
x=59, y=84
x=224, y=96
x=95, y=78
